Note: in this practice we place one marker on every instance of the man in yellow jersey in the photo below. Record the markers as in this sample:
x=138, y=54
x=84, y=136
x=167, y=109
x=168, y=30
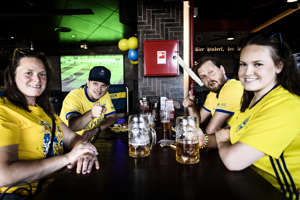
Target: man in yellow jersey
x=89, y=110
x=224, y=97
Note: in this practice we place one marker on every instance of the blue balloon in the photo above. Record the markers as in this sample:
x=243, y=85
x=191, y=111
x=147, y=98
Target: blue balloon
x=133, y=54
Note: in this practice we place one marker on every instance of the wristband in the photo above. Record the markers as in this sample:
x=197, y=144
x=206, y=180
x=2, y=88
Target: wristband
x=205, y=143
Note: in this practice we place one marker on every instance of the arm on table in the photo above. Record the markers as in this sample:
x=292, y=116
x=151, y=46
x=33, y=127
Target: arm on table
x=216, y=122
x=238, y=156
x=13, y=170
x=84, y=154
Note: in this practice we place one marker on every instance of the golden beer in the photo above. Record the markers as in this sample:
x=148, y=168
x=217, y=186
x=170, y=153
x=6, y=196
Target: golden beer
x=139, y=151
x=166, y=125
x=187, y=152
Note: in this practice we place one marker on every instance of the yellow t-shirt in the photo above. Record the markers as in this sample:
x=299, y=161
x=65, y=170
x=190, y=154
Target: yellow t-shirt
x=272, y=127
x=31, y=131
x=77, y=103
x=227, y=101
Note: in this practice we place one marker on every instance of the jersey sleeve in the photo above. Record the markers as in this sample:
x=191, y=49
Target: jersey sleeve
x=210, y=102
x=229, y=99
x=71, y=106
x=110, y=109
x=10, y=130
x=272, y=128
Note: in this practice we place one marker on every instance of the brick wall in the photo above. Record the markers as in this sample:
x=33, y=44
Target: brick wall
x=159, y=21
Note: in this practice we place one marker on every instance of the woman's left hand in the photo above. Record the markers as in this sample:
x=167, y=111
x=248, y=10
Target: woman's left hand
x=85, y=163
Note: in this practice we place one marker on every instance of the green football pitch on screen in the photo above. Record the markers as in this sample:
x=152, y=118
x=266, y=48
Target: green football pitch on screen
x=75, y=69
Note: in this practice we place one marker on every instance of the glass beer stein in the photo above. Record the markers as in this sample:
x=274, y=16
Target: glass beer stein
x=141, y=136
x=187, y=140
x=165, y=121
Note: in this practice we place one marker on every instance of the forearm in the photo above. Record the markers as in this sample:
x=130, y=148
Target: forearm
x=226, y=155
x=31, y=170
x=80, y=122
x=217, y=122
x=212, y=141
x=107, y=122
x=212, y=128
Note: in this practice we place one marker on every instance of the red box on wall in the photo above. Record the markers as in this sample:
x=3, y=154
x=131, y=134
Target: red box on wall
x=158, y=57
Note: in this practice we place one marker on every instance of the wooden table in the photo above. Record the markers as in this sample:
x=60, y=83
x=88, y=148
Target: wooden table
x=157, y=177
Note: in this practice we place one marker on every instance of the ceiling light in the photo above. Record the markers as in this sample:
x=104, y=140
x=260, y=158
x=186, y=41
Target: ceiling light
x=83, y=45
x=31, y=46
x=62, y=29
x=230, y=36
x=195, y=13
x=291, y=1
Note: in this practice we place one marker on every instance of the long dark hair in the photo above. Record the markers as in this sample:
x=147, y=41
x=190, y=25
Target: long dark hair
x=280, y=52
x=11, y=91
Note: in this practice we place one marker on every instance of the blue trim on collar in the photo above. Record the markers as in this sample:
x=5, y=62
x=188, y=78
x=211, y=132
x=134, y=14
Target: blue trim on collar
x=87, y=96
x=275, y=86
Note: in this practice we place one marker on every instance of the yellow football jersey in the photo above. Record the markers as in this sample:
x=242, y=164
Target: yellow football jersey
x=77, y=102
x=227, y=101
x=272, y=127
x=31, y=131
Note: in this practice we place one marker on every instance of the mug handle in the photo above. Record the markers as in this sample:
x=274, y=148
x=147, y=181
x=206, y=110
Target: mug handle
x=153, y=137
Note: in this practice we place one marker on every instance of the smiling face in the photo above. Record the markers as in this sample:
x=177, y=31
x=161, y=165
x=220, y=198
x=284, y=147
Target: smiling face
x=257, y=71
x=96, y=89
x=31, y=78
x=212, y=76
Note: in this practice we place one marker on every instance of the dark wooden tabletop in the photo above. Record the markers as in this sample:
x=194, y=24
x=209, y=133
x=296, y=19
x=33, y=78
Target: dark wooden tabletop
x=157, y=177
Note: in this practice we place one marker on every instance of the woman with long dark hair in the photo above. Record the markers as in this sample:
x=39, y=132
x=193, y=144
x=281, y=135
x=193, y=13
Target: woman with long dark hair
x=33, y=138
x=265, y=133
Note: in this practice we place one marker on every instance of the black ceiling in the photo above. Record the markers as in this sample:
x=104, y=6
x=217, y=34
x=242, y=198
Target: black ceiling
x=64, y=22
x=98, y=21
x=244, y=17
x=240, y=15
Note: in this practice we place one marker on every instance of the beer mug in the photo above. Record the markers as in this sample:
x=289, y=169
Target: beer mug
x=187, y=140
x=150, y=119
x=139, y=136
x=165, y=121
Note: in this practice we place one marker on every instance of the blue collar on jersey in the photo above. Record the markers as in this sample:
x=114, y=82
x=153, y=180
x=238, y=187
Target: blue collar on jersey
x=275, y=86
x=87, y=96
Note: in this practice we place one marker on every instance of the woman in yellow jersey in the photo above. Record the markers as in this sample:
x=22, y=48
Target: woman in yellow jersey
x=265, y=134
x=31, y=147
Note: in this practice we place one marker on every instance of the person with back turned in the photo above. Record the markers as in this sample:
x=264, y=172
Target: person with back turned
x=89, y=110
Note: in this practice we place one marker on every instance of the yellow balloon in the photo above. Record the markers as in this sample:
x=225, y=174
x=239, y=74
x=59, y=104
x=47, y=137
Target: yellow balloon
x=134, y=62
x=132, y=43
x=123, y=44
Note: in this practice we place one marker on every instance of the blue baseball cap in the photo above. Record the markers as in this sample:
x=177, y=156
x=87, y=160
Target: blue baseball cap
x=101, y=74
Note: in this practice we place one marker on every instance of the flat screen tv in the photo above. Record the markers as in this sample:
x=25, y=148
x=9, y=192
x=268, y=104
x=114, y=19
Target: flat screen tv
x=75, y=69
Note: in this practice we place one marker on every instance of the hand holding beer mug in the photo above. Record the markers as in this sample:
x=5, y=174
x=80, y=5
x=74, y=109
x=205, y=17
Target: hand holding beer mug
x=187, y=140
x=139, y=136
